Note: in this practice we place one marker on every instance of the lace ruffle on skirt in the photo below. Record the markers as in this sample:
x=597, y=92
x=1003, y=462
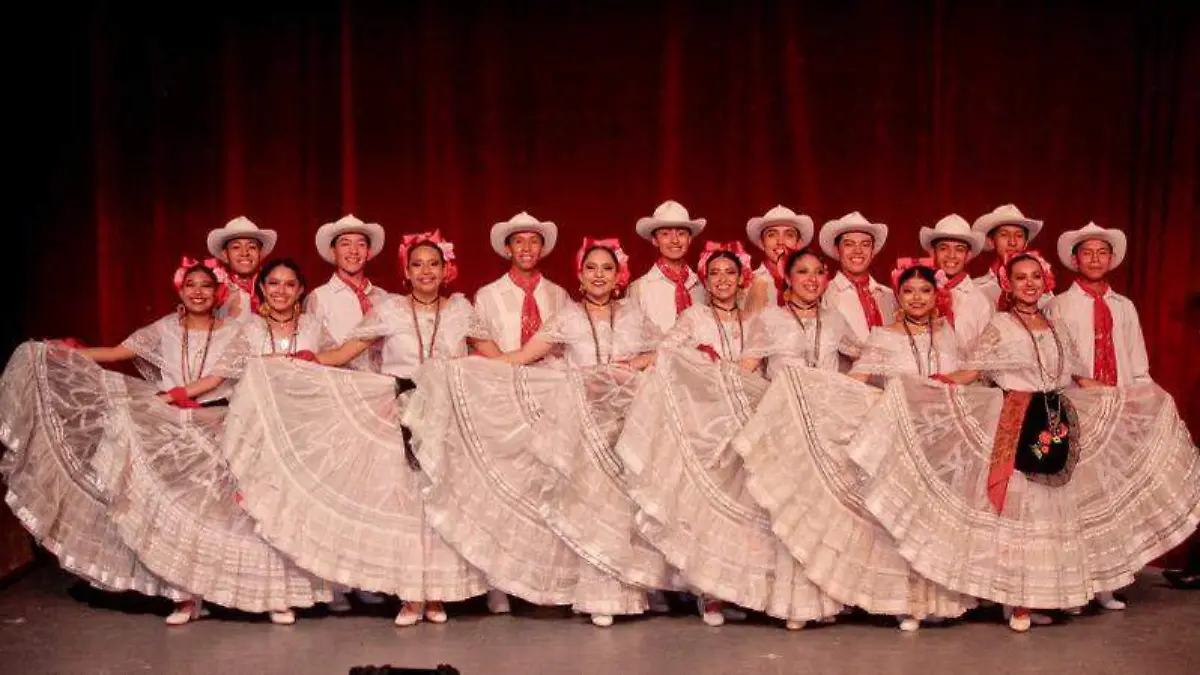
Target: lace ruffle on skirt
x=321, y=466
x=472, y=422
x=691, y=487
x=53, y=407
x=1134, y=494
x=795, y=451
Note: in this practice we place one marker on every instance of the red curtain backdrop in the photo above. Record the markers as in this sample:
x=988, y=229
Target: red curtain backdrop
x=142, y=127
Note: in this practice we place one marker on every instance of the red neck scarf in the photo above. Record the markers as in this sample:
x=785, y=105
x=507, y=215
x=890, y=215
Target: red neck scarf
x=248, y=286
x=678, y=275
x=531, y=318
x=944, y=298
x=360, y=291
x=1003, y=303
x=1104, y=351
x=862, y=286
x=777, y=276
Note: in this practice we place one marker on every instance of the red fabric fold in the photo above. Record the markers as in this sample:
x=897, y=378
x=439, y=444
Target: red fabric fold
x=862, y=286
x=246, y=285
x=678, y=275
x=1104, y=350
x=531, y=316
x=360, y=291
x=1004, y=446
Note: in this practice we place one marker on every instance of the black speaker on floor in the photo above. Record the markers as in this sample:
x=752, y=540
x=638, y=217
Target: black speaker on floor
x=442, y=669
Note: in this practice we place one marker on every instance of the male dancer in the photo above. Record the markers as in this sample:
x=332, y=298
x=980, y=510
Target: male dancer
x=670, y=286
x=776, y=232
x=961, y=302
x=242, y=247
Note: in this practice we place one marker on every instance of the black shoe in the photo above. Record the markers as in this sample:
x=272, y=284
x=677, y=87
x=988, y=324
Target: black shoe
x=1182, y=580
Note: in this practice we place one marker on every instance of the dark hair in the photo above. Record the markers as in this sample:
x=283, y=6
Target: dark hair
x=225, y=246
x=333, y=242
x=200, y=267
x=270, y=267
x=427, y=244
x=1008, y=266
x=508, y=239
x=837, y=241
x=926, y=273
x=597, y=247
x=728, y=255
x=795, y=256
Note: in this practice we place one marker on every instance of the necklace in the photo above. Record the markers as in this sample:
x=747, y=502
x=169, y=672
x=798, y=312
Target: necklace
x=726, y=343
x=425, y=303
x=916, y=352
x=288, y=342
x=282, y=322
x=813, y=356
x=437, y=322
x=185, y=356
x=1054, y=411
x=612, y=327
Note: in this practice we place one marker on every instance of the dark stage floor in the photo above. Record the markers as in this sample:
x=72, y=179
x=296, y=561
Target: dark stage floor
x=49, y=624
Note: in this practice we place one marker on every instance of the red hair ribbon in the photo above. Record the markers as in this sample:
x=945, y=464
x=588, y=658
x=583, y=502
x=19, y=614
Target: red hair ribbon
x=410, y=241
x=187, y=263
x=612, y=244
x=711, y=248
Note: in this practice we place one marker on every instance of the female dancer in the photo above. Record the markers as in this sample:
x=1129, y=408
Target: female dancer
x=689, y=486
x=155, y=475
x=794, y=450
x=1037, y=494
x=319, y=452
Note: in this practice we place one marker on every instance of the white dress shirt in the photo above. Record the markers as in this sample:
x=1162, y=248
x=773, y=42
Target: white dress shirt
x=499, y=303
x=842, y=296
x=336, y=306
x=1074, y=308
x=972, y=311
x=654, y=294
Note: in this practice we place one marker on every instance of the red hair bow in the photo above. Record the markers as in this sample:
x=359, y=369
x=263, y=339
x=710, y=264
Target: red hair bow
x=712, y=248
x=410, y=241
x=905, y=264
x=187, y=263
x=612, y=244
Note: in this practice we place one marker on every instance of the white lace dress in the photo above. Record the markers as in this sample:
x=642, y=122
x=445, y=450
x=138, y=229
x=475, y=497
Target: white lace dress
x=519, y=466
x=783, y=338
x=165, y=490
x=321, y=462
x=690, y=486
x=794, y=449
x=1133, y=492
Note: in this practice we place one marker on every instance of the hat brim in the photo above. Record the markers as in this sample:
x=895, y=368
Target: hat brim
x=930, y=237
x=502, y=231
x=802, y=223
x=835, y=228
x=646, y=226
x=1072, y=238
x=990, y=221
x=217, y=239
x=330, y=231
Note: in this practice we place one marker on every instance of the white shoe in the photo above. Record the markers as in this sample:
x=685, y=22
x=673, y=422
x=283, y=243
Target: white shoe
x=410, y=614
x=1020, y=623
x=710, y=611
x=1040, y=619
x=186, y=612
x=658, y=602
x=910, y=624
x=339, y=604
x=795, y=625
x=284, y=618
x=369, y=598
x=602, y=620
x=435, y=612
x=497, y=602
x=1074, y=611
x=1108, y=601
x=828, y=620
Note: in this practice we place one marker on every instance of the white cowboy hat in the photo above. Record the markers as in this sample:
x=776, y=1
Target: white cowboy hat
x=669, y=214
x=1005, y=215
x=1072, y=238
x=953, y=227
x=345, y=225
x=523, y=222
x=780, y=215
x=851, y=222
x=240, y=228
